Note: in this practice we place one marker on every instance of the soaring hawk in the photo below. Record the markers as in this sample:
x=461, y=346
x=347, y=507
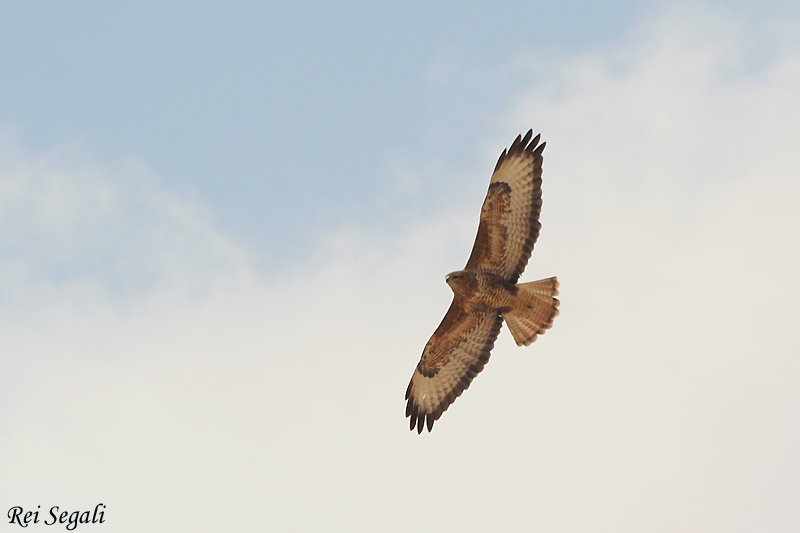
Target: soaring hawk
x=486, y=291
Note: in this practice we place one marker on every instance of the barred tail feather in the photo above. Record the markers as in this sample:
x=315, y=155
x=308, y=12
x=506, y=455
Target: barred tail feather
x=535, y=311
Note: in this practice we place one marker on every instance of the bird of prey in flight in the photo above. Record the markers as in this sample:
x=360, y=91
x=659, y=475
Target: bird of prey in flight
x=486, y=292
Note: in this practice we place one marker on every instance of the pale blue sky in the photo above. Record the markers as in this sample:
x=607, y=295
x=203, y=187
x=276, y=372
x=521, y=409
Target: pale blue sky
x=279, y=115
x=224, y=232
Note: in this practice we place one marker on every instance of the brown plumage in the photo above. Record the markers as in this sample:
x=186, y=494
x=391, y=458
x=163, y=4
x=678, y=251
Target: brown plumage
x=486, y=291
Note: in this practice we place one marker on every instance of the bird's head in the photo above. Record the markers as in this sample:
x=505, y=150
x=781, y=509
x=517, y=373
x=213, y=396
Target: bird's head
x=453, y=276
x=460, y=281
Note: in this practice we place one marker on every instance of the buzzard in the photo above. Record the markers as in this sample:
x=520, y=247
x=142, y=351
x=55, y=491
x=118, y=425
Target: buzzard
x=486, y=291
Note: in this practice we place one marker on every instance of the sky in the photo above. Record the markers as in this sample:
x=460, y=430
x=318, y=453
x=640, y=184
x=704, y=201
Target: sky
x=224, y=231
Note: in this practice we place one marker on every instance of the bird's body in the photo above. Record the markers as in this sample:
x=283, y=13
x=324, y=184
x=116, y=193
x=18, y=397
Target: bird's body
x=483, y=290
x=486, y=291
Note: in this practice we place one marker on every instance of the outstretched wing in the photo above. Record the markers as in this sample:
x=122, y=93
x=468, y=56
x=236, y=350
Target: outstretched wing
x=509, y=223
x=455, y=354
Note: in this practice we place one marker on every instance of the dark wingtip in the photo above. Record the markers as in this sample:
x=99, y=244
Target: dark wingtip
x=420, y=421
x=500, y=160
x=525, y=139
x=521, y=144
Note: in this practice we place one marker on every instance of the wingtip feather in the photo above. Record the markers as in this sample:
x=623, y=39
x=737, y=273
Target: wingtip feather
x=522, y=144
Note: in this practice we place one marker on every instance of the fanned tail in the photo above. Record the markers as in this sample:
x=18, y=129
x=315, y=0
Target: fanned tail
x=535, y=311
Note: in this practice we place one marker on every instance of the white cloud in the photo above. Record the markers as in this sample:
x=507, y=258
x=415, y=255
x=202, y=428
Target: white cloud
x=66, y=222
x=204, y=397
